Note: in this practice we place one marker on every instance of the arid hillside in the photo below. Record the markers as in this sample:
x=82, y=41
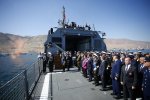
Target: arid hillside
x=10, y=43
x=17, y=44
x=126, y=44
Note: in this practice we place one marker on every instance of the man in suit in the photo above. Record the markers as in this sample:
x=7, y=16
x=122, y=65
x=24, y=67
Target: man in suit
x=44, y=62
x=140, y=77
x=68, y=61
x=79, y=60
x=129, y=79
x=115, y=75
x=63, y=60
x=146, y=79
x=50, y=62
x=103, y=72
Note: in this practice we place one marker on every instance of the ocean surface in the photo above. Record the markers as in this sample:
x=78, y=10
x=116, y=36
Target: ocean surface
x=11, y=65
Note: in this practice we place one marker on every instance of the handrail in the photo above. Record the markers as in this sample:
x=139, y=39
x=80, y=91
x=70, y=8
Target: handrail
x=21, y=86
x=11, y=80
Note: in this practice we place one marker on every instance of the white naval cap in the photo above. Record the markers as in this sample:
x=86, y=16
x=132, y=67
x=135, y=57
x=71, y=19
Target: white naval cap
x=103, y=52
x=49, y=53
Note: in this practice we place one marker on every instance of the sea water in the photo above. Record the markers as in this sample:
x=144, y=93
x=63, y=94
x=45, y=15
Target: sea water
x=12, y=64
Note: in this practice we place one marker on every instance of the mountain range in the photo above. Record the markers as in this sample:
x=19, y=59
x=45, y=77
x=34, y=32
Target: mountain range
x=10, y=43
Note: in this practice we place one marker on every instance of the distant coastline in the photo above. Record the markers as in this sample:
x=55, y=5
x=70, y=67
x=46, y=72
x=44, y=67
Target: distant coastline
x=126, y=44
x=15, y=44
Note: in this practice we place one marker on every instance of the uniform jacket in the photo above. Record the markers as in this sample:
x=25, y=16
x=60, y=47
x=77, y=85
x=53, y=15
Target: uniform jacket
x=129, y=77
x=146, y=81
x=116, y=69
x=90, y=64
x=102, y=68
x=140, y=74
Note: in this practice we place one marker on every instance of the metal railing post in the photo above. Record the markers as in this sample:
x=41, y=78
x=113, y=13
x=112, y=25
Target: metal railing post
x=34, y=72
x=26, y=85
x=39, y=64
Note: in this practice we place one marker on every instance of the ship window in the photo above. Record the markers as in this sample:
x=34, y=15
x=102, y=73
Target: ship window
x=56, y=39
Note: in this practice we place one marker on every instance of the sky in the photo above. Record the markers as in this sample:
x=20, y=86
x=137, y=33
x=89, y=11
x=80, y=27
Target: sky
x=125, y=19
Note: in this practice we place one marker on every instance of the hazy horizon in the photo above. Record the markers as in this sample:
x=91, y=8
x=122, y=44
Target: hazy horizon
x=47, y=34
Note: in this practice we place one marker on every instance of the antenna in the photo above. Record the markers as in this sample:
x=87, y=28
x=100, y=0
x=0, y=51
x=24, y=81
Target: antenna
x=64, y=17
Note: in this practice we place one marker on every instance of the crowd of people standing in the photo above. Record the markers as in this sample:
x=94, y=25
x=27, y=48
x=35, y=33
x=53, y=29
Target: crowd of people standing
x=127, y=73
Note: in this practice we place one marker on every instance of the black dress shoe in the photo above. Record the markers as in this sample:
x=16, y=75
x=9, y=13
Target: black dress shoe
x=103, y=89
x=90, y=80
x=112, y=94
x=117, y=97
x=96, y=84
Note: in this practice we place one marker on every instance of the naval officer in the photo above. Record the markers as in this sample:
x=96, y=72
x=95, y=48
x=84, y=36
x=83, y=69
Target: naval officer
x=146, y=79
x=115, y=75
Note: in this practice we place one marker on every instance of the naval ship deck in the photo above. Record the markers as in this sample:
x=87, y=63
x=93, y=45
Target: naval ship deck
x=70, y=85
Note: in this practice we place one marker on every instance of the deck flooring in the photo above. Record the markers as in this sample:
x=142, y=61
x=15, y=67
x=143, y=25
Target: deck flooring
x=69, y=85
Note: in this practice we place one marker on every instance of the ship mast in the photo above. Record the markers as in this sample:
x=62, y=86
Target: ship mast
x=64, y=17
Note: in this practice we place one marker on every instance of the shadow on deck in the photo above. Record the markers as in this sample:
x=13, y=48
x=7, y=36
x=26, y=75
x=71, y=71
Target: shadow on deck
x=69, y=85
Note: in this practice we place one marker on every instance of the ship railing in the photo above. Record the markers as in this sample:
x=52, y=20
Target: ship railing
x=21, y=86
x=58, y=47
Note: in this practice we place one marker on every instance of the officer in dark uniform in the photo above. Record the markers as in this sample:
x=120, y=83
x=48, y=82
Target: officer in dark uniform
x=63, y=58
x=68, y=61
x=109, y=68
x=96, y=76
x=140, y=77
x=50, y=62
x=44, y=62
x=103, y=72
x=146, y=79
x=115, y=75
x=79, y=60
